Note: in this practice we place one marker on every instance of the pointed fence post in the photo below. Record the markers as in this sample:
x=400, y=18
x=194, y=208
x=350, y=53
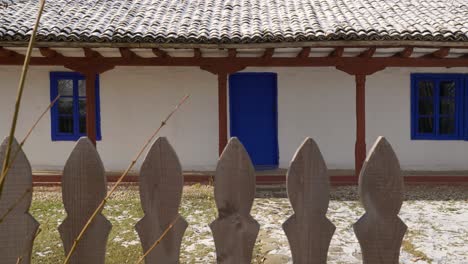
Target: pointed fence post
x=83, y=188
x=18, y=228
x=161, y=184
x=235, y=230
x=380, y=231
x=308, y=230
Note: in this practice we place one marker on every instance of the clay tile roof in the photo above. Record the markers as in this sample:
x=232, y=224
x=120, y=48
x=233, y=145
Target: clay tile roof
x=235, y=21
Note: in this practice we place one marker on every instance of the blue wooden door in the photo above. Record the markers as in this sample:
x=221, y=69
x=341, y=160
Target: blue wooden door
x=253, y=116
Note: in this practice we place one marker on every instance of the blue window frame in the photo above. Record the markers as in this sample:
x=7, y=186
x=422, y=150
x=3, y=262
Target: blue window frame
x=439, y=104
x=68, y=115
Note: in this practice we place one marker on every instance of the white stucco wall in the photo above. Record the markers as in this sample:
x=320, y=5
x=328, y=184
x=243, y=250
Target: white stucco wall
x=316, y=102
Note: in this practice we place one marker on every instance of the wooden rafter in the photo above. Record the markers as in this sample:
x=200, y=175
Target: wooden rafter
x=406, y=53
x=232, y=53
x=440, y=53
x=197, y=53
x=268, y=54
x=368, y=53
x=304, y=53
x=160, y=53
x=49, y=53
x=90, y=53
x=338, y=52
x=127, y=53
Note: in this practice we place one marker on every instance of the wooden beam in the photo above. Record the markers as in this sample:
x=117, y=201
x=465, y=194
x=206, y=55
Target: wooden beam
x=197, y=53
x=337, y=53
x=127, y=53
x=9, y=53
x=91, y=131
x=360, y=146
x=49, y=53
x=239, y=62
x=90, y=53
x=222, y=111
x=232, y=53
x=406, y=53
x=368, y=53
x=268, y=54
x=160, y=53
x=304, y=53
x=362, y=68
x=440, y=53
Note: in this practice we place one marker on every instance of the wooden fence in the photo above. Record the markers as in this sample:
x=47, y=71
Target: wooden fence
x=379, y=231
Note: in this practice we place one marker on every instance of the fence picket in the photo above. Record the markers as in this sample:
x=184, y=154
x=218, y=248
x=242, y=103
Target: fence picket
x=380, y=231
x=161, y=184
x=83, y=188
x=308, y=230
x=235, y=230
x=18, y=228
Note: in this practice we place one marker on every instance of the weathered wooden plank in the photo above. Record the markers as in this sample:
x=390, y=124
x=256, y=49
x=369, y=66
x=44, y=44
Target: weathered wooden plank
x=308, y=230
x=161, y=184
x=380, y=231
x=235, y=230
x=83, y=188
x=18, y=228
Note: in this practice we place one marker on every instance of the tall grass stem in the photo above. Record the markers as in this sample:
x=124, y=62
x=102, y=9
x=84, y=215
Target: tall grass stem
x=19, y=95
x=125, y=173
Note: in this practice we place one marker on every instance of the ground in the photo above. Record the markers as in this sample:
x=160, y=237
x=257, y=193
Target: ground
x=437, y=219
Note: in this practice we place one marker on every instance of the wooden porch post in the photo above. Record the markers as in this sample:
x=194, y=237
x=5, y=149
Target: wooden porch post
x=360, y=147
x=91, y=106
x=222, y=110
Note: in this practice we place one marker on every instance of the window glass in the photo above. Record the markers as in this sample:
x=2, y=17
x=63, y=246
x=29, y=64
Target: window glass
x=65, y=87
x=65, y=106
x=426, y=125
x=426, y=88
x=447, y=88
x=447, y=125
x=81, y=88
x=65, y=124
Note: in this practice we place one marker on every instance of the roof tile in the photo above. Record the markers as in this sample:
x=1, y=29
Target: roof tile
x=235, y=21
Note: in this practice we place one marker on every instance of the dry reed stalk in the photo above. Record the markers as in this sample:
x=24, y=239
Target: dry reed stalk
x=20, y=258
x=4, y=172
x=104, y=201
x=16, y=154
x=15, y=204
x=156, y=243
x=24, y=72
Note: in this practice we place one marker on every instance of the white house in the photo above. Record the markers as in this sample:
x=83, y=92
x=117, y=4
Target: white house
x=270, y=72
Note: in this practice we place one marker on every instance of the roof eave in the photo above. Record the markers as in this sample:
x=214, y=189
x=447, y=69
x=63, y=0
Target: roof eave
x=336, y=43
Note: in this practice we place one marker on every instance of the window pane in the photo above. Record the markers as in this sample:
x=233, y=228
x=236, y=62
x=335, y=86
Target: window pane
x=65, y=124
x=446, y=125
x=426, y=125
x=425, y=88
x=447, y=106
x=81, y=87
x=426, y=107
x=447, y=88
x=83, y=106
x=82, y=124
x=65, y=106
x=65, y=87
